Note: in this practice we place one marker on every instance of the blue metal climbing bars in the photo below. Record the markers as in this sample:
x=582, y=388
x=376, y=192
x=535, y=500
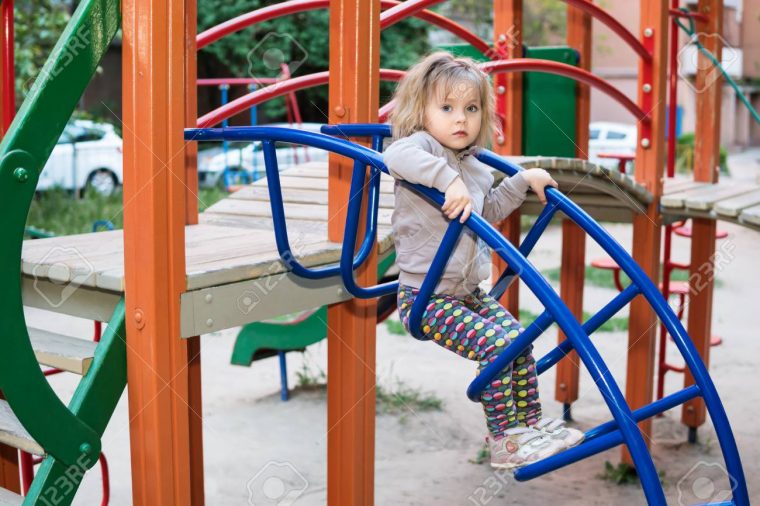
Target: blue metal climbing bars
x=622, y=428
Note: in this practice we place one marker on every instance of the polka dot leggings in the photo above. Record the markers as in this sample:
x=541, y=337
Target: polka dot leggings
x=477, y=327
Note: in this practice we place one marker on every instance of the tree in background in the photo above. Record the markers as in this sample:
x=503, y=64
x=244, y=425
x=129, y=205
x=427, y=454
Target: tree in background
x=544, y=21
x=39, y=24
x=300, y=40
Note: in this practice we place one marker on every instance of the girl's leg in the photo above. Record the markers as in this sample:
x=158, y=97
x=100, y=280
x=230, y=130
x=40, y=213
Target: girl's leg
x=451, y=324
x=524, y=379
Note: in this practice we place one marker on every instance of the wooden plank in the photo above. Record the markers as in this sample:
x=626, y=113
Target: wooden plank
x=84, y=302
x=13, y=433
x=315, y=170
x=750, y=215
x=256, y=256
x=229, y=305
x=679, y=185
x=8, y=498
x=303, y=212
x=386, y=200
x=62, y=352
x=384, y=232
x=301, y=183
x=79, y=260
x=721, y=191
x=732, y=207
x=295, y=226
x=677, y=200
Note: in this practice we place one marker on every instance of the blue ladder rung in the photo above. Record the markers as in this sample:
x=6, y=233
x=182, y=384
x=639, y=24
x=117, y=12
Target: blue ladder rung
x=509, y=275
x=619, y=302
x=569, y=456
x=650, y=410
x=538, y=327
x=603, y=437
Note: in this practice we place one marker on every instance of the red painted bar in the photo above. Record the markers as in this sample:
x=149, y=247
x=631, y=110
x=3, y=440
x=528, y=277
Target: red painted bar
x=8, y=59
x=613, y=24
x=295, y=6
x=563, y=69
x=256, y=97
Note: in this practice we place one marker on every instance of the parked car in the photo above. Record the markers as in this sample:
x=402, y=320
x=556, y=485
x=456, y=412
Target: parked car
x=607, y=137
x=249, y=158
x=88, y=156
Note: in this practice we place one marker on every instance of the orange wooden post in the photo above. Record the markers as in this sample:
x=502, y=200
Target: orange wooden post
x=647, y=226
x=706, y=159
x=353, y=98
x=191, y=218
x=160, y=407
x=507, y=29
x=573, y=267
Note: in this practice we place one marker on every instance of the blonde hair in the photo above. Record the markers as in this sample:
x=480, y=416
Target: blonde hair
x=441, y=72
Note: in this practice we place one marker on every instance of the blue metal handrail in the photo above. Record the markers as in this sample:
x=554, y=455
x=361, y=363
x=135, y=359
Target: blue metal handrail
x=622, y=429
x=268, y=137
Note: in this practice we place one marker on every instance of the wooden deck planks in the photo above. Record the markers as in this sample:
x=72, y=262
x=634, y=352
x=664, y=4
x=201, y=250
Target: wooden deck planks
x=235, y=241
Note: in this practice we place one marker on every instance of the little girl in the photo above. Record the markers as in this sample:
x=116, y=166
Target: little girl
x=444, y=110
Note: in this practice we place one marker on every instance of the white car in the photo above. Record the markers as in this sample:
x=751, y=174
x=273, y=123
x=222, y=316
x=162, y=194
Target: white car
x=88, y=156
x=615, y=138
x=249, y=157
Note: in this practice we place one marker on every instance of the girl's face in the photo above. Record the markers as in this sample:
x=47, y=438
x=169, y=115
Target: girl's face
x=454, y=121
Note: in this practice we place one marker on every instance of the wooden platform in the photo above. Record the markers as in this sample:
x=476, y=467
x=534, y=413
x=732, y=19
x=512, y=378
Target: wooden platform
x=608, y=195
x=13, y=434
x=231, y=259
x=234, y=274
x=605, y=194
x=726, y=201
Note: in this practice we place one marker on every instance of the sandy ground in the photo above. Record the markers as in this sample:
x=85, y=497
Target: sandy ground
x=258, y=448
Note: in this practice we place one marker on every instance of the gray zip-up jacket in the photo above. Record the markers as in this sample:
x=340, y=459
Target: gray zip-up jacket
x=418, y=226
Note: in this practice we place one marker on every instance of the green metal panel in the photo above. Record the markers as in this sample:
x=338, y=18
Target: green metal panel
x=549, y=106
x=23, y=152
x=464, y=50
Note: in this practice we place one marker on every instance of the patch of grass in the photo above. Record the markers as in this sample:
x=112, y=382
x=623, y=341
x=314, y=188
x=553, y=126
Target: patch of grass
x=58, y=212
x=310, y=377
x=399, y=398
x=624, y=474
x=395, y=327
x=604, y=278
x=483, y=455
x=207, y=197
x=614, y=324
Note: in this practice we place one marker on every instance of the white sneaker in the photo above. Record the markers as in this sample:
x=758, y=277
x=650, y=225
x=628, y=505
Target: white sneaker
x=521, y=446
x=555, y=428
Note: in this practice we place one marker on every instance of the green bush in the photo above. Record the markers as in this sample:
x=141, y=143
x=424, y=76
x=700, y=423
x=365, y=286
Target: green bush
x=685, y=155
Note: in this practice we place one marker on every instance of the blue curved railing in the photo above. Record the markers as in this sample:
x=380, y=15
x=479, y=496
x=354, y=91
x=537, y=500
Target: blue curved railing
x=623, y=428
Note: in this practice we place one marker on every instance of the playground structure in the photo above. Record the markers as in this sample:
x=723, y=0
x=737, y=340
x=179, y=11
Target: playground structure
x=187, y=278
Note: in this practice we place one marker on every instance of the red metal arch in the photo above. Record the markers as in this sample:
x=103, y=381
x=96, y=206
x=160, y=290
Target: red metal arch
x=275, y=90
x=294, y=6
x=517, y=65
x=613, y=24
x=563, y=69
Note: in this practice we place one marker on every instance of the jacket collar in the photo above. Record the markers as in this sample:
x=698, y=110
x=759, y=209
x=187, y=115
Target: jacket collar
x=469, y=150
